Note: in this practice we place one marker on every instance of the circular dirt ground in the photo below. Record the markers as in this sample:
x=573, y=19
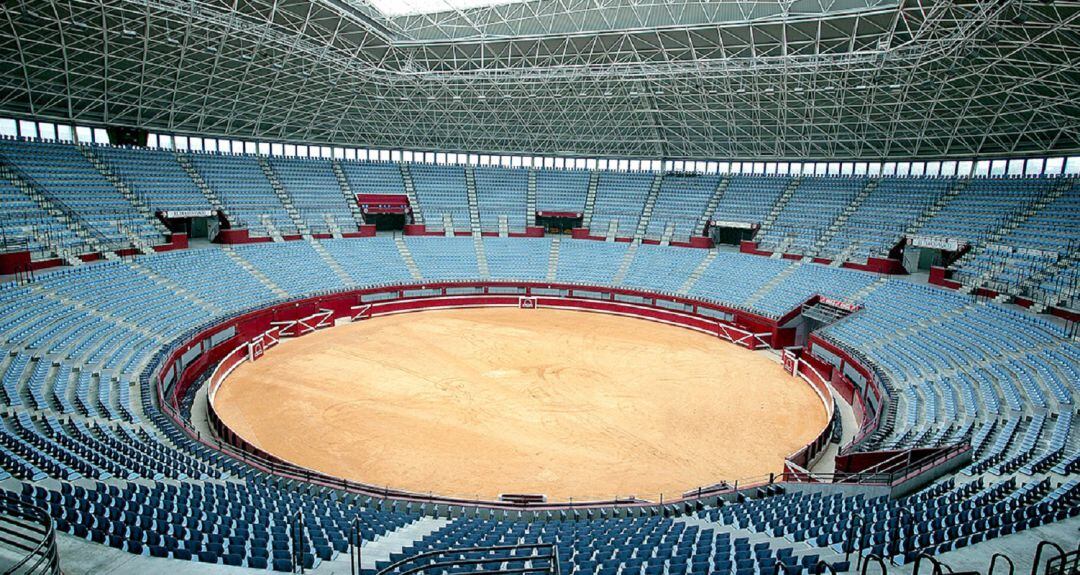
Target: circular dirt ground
x=478, y=402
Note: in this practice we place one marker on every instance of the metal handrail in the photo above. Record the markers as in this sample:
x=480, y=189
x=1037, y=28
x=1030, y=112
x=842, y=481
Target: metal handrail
x=876, y=559
x=57, y=202
x=42, y=554
x=1038, y=554
x=993, y=563
x=939, y=567
x=822, y=565
x=434, y=553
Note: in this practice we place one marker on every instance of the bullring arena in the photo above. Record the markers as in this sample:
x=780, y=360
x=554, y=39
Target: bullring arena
x=483, y=402
x=540, y=287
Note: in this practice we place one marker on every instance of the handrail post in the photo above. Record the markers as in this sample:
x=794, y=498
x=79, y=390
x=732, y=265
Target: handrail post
x=993, y=563
x=876, y=559
x=918, y=562
x=821, y=566
x=1038, y=554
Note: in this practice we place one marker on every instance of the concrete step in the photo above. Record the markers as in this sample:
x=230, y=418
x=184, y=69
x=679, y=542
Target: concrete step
x=236, y=257
x=380, y=549
x=553, y=259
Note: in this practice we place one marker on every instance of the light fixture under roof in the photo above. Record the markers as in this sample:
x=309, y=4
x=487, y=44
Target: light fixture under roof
x=391, y=8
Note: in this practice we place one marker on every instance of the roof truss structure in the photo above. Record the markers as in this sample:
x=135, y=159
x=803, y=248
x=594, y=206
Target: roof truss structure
x=795, y=79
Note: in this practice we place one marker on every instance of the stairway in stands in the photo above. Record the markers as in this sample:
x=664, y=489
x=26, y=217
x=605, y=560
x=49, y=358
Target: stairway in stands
x=392, y=543
x=530, y=199
x=70, y=219
x=769, y=285
x=331, y=263
x=481, y=256
x=838, y=224
x=346, y=190
x=714, y=201
x=934, y=209
x=283, y=196
x=410, y=193
x=136, y=202
x=406, y=256
x=236, y=257
x=474, y=206
x=780, y=204
x=627, y=261
x=647, y=209
x=553, y=259
x=1051, y=194
x=590, y=198
x=174, y=287
x=207, y=191
x=695, y=275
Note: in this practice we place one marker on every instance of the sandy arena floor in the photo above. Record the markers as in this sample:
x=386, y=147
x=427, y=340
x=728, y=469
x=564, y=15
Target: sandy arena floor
x=479, y=402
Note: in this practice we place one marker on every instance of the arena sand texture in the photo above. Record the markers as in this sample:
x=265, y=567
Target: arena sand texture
x=479, y=402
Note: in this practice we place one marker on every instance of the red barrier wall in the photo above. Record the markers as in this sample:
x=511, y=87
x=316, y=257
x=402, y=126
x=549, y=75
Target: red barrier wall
x=14, y=262
x=865, y=414
x=238, y=236
x=875, y=265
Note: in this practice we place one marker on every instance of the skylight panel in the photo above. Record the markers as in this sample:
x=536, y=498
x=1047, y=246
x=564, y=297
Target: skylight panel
x=392, y=8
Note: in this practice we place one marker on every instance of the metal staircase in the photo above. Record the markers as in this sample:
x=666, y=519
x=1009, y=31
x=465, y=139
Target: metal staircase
x=647, y=210
x=406, y=256
x=838, y=224
x=530, y=199
x=695, y=275
x=283, y=196
x=553, y=260
x=347, y=191
x=410, y=192
x=590, y=199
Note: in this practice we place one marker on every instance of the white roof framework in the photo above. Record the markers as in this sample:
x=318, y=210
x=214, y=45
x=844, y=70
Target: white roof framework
x=794, y=79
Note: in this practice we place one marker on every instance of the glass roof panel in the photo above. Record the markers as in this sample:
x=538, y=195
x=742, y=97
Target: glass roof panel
x=392, y=8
